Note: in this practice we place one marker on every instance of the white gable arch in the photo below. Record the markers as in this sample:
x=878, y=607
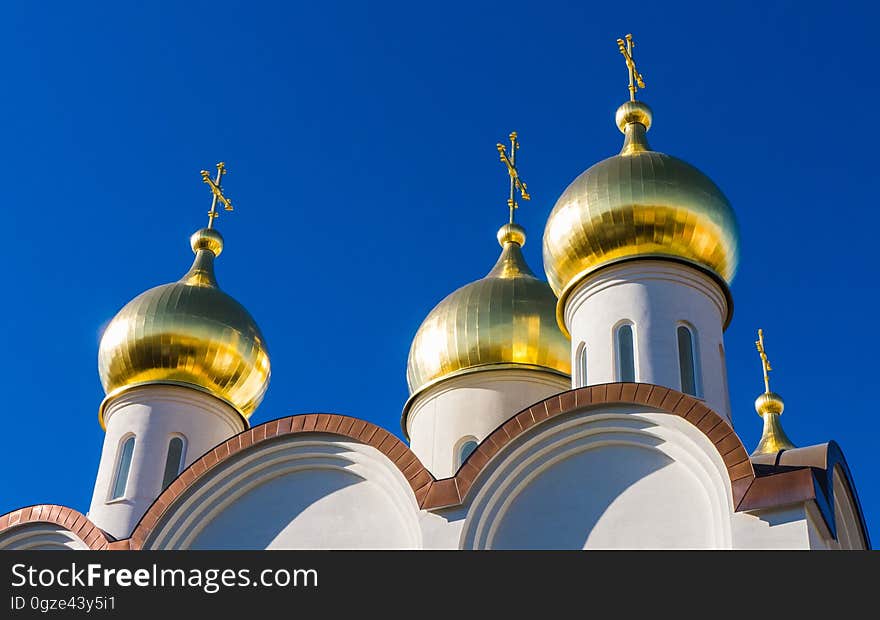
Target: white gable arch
x=299, y=491
x=608, y=477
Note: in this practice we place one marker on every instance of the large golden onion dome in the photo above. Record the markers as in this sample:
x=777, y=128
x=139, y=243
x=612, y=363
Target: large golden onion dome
x=503, y=320
x=637, y=204
x=187, y=333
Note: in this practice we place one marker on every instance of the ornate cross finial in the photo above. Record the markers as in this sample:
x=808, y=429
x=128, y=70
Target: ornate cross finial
x=214, y=184
x=635, y=78
x=516, y=183
x=765, y=363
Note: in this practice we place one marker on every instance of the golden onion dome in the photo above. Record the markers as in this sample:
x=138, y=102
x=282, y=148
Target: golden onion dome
x=503, y=320
x=639, y=203
x=187, y=333
x=770, y=406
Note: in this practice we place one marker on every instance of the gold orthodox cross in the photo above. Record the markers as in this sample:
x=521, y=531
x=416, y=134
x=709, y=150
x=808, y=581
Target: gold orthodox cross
x=516, y=183
x=635, y=78
x=214, y=184
x=765, y=363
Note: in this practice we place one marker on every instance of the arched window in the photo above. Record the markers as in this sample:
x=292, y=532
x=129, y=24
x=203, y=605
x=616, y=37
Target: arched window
x=626, y=357
x=465, y=450
x=122, y=468
x=687, y=361
x=582, y=365
x=173, y=462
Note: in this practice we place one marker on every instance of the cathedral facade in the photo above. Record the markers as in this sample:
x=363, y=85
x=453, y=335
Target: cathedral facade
x=590, y=410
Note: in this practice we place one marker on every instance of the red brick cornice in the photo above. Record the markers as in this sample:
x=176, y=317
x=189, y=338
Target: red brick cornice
x=71, y=520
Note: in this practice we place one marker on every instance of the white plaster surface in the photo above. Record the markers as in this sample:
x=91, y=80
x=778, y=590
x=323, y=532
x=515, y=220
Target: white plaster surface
x=309, y=491
x=656, y=297
x=615, y=478
x=472, y=405
x=153, y=414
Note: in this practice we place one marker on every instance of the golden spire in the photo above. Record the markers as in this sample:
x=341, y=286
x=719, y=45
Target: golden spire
x=516, y=183
x=769, y=406
x=216, y=190
x=635, y=78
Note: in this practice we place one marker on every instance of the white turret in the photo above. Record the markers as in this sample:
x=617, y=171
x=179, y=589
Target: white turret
x=484, y=353
x=640, y=249
x=184, y=365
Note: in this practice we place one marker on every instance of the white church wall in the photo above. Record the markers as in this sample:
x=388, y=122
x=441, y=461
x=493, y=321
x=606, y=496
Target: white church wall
x=612, y=477
x=655, y=297
x=40, y=537
x=785, y=527
x=303, y=491
x=153, y=414
x=442, y=529
x=472, y=405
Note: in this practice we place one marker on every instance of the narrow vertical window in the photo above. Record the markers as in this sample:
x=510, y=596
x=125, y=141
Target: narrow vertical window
x=687, y=362
x=465, y=450
x=582, y=365
x=122, y=469
x=724, y=378
x=626, y=359
x=173, y=461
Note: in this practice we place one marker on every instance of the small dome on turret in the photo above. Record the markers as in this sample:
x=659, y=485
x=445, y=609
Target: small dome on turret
x=188, y=333
x=639, y=203
x=504, y=319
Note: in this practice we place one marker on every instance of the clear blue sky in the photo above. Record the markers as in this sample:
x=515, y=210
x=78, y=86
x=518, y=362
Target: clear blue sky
x=360, y=141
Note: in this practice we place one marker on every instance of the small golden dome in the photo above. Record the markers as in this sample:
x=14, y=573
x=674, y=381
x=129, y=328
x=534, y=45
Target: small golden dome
x=504, y=319
x=639, y=203
x=187, y=333
x=769, y=406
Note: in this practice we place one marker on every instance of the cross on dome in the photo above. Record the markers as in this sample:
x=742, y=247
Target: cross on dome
x=516, y=182
x=216, y=190
x=635, y=78
x=765, y=363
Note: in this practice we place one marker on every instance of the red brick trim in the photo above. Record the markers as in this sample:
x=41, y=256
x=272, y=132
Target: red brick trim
x=71, y=520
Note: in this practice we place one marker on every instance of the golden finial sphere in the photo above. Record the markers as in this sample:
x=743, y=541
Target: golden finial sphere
x=512, y=233
x=207, y=239
x=633, y=112
x=769, y=402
